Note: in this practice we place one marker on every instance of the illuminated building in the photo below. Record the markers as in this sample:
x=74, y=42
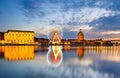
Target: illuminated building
x=18, y=37
x=80, y=35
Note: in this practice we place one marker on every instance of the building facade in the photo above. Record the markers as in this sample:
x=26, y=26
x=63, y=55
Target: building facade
x=80, y=36
x=1, y=35
x=18, y=37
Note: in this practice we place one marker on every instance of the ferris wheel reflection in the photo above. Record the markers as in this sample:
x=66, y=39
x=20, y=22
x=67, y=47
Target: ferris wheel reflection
x=54, y=55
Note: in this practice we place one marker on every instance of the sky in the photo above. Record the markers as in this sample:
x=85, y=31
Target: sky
x=96, y=18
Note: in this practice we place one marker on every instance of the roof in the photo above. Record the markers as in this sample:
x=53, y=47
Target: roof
x=80, y=32
x=19, y=31
x=1, y=32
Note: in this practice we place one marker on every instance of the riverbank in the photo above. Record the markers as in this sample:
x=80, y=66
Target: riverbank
x=20, y=44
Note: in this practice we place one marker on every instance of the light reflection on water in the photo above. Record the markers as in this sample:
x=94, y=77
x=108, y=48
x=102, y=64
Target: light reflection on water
x=78, y=62
x=17, y=52
x=55, y=55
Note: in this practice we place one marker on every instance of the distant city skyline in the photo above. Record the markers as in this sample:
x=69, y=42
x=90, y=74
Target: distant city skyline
x=96, y=18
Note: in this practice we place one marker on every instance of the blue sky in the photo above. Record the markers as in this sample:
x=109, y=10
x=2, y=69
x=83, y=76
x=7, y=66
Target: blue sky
x=97, y=18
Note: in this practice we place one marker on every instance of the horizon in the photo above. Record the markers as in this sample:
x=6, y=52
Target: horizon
x=61, y=38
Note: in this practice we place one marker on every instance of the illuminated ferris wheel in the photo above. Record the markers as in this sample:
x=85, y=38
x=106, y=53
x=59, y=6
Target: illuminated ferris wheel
x=55, y=39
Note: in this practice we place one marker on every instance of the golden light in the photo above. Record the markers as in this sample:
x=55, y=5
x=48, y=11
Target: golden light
x=54, y=55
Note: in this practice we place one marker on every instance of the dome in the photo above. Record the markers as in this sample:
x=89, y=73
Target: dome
x=80, y=36
x=80, y=33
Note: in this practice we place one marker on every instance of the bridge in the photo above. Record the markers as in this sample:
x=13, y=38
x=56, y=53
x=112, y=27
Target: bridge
x=113, y=41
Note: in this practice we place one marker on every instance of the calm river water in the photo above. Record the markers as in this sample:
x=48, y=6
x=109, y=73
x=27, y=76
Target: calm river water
x=73, y=62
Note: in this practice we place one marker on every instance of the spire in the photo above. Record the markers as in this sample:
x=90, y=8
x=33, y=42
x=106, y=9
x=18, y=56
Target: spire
x=80, y=30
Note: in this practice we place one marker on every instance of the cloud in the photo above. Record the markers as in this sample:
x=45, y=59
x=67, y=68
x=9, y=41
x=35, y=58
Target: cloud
x=112, y=4
x=66, y=31
x=75, y=13
x=85, y=15
x=66, y=12
x=45, y=31
x=110, y=32
x=39, y=8
x=76, y=28
x=107, y=23
x=72, y=15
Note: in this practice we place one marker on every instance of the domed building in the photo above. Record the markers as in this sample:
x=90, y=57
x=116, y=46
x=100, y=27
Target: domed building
x=80, y=36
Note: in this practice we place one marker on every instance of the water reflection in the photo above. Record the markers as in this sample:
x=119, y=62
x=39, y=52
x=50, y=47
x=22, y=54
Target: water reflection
x=54, y=55
x=80, y=52
x=103, y=49
x=111, y=53
x=79, y=62
x=17, y=52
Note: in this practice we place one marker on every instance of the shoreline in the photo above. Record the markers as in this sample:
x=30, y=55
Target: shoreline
x=50, y=45
x=20, y=44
